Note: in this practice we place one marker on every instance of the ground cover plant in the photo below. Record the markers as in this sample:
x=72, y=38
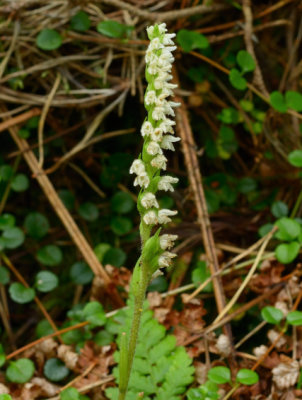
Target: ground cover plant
x=223, y=320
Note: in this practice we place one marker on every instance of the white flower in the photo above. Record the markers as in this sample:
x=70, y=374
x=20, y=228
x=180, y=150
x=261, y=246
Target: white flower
x=162, y=28
x=174, y=104
x=157, y=134
x=150, y=31
x=166, y=125
x=146, y=129
x=155, y=44
x=153, y=68
x=150, y=218
x=165, y=183
x=167, y=40
x=137, y=167
x=167, y=241
x=142, y=180
x=168, y=109
x=164, y=214
x=159, y=161
x=165, y=259
x=150, y=97
x=150, y=56
x=167, y=142
x=149, y=200
x=158, y=113
x=153, y=148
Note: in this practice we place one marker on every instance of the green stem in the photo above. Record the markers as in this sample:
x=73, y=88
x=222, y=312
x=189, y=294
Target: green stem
x=125, y=369
x=296, y=206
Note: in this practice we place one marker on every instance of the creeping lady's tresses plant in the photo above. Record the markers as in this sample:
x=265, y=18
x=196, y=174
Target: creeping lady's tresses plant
x=158, y=134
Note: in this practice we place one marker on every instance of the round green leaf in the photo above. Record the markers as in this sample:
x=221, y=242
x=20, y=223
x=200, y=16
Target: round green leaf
x=55, y=370
x=94, y=313
x=289, y=229
x=7, y=221
x=113, y=29
x=246, y=61
x=46, y=281
x=115, y=257
x=190, y=40
x=100, y=250
x=20, y=183
x=247, y=105
x=12, y=238
x=21, y=294
x=247, y=185
x=265, y=229
x=49, y=39
x=20, y=371
x=43, y=328
x=279, y=209
x=236, y=80
x=294, y=318
x=80, y=22
x=121, y=225
x=295, y=158
x=5, y=397
x=24, y=133
x=50, y=255
x=81, y=273
x=70, y=394
x=277, y=102
x=6, y=172
x=287, y=252
x=89, y=211
x=219, y=375
x=158, y=284
x=122, y=203
x=103, y=338
x=68, y=198
x=37, y=225
x=272, y=315
x=294, y=100
x=4, y=275
x=247, y=377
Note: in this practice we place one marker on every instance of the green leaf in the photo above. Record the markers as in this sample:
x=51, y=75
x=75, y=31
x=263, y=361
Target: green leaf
x=20, y=371
x=4, y=275
x=287, y=252
x=247, y=377
x=81, y=273
x=289, y=229
x=37, y=225
x=158, y=284
x=12, y=238
x=100, y=250
x=272, y=315
x=219, y=375
x=265, y=229
x=70, y=394
x=94, y=313
x=55, y=370
x=294, y=100
x=20, y=183
x=122, y=203
x=6, y=172
x=7, y=221
x=247, y=105
x=80, y=22
x=121, y=225
x=277, y=102
x=5, y=397
x=245, y=61
x=50, y=255
x=43, y=328
x=115, y=257
x=229, y=115
x=89, y=211
x=190, y=40
x=103, y=338
x=21, y=294
x=113, y=29
x=68, y=198
x=213, y=201
x=236, y=80
x=46, y=281
x=227, y=143
x=200, y=274
x=295, y=158
x=279, y=209
x=2, y=356
x=24, y=133
x=294, y=318
x=49, y=39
